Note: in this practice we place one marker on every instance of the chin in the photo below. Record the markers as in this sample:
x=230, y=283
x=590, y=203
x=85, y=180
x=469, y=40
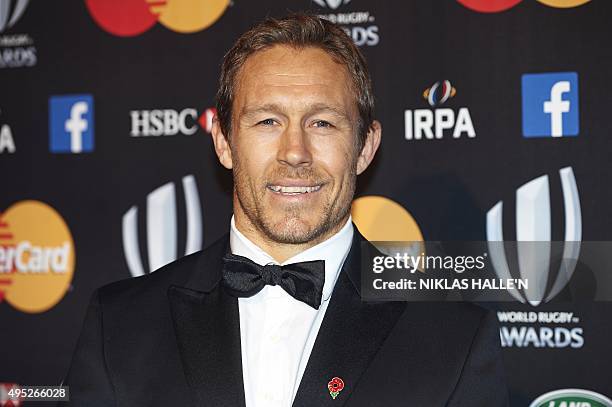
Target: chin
x=294, y=230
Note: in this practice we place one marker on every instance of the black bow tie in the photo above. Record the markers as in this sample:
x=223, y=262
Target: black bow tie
x=303, y=281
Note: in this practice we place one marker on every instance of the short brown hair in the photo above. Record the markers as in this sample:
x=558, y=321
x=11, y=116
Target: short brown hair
x=297, y=30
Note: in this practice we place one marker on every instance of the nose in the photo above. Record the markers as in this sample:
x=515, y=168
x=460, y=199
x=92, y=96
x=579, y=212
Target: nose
x=294, y=148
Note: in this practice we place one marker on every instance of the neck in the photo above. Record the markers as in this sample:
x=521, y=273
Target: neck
x=277, y=250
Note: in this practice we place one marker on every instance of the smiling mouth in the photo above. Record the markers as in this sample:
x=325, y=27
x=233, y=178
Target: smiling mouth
x=294, y=190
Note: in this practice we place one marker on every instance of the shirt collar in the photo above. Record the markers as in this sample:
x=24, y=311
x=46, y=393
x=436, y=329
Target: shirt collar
x=334, y=251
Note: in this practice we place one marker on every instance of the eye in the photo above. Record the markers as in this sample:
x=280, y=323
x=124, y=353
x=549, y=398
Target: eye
x=323, y=124
x=267, y=122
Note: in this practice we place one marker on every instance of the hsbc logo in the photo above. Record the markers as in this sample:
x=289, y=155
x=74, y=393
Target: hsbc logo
x=533, y=235
x=170, y=122
x=161, y=227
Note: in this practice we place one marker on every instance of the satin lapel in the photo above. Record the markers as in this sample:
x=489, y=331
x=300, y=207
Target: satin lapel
x=351, y=334
x=207, y=327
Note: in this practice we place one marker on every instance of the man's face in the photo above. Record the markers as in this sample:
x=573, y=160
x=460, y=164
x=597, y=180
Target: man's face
x=293, y=147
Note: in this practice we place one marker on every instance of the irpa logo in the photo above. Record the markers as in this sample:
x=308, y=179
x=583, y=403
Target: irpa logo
x=437, y=122
x=573, y=398
x=533, y=235
x=161, y=229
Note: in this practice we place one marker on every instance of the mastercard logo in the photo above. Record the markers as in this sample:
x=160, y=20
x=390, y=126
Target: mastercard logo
x=127, y=18
x=36, y=256
x=495, y=6
x=564, y=3
x=489, y=6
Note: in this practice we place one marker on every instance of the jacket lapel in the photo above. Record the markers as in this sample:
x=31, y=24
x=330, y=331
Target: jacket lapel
x=207, y=327
x=351, y=334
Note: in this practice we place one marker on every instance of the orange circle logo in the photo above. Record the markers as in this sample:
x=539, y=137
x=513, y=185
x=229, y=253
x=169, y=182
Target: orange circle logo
x=564, y=3
x=381, y=219
x=127, y=18
x=385, y=224
x=36, y=256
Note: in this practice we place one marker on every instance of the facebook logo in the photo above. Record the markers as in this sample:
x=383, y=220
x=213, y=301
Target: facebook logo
x=550, y=104
x=71, y=124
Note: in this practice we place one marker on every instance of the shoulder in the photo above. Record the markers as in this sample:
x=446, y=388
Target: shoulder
x=153, y=286
x=171, y=273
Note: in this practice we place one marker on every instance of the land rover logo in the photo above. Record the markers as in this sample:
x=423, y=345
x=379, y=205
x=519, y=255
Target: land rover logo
x=571, y=398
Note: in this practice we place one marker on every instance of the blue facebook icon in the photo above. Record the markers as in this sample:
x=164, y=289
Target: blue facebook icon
x=550, y=104
x=71, y=124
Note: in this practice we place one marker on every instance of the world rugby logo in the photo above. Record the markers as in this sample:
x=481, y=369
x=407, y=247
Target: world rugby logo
x=10, y=15
x=161, y=228
x=333, y=4
x=533, y=235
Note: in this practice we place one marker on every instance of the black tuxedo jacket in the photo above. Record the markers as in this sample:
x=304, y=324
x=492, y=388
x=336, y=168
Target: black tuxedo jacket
x=172, y=338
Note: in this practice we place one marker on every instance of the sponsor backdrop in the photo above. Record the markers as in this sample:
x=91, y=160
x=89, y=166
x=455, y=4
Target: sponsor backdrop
x=494, y=113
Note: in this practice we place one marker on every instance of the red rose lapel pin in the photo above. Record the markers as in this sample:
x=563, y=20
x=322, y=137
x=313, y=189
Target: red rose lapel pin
x=335, y=386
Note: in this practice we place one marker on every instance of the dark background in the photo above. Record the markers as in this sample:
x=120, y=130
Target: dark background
x=447, y=185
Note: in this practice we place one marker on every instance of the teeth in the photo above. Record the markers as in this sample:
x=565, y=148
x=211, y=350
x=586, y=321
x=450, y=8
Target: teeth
x=294, y=190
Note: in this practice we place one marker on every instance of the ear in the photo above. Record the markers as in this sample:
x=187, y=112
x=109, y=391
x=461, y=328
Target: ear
x=222, y=147
x=370, y=146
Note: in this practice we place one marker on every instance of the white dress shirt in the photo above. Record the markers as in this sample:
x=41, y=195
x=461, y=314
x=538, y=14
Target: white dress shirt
x=277, y=332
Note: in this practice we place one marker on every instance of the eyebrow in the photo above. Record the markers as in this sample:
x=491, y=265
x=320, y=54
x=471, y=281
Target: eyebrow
x=270, y=107
x=276, y=108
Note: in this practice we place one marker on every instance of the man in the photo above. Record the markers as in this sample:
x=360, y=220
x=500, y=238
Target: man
x=229, y=326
